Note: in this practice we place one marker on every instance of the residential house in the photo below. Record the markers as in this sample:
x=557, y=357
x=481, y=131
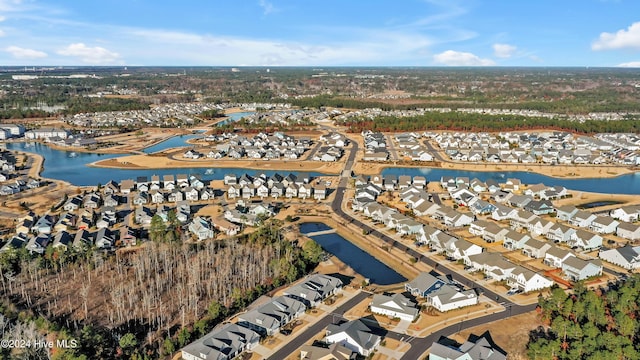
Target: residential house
x=585, y=240
x=62, y=240
x=582, y=219
x=332, y=352
x=394, y=306
x=38, y=243
x=576, y=269
x=627, y=257
x=104, y=239
x=225, y=226
x=526, y=280
x=201, y=228
x=560, y=233
x=424, y=284
x=461, y=249
x=475, y=348
x=450, y=297
x=540, y=207
x=314, y=289
x=354, y=335
x=556, y=256
x=535, y=248
x=514, y=240
x=626, y=213
x=604, y=225
x=270, y=317
x=493, y=265
x=566, y=212
x=628, y=231
x=223, y=343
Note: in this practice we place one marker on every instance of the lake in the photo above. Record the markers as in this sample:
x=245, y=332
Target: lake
x=359, y=260
x=72, y=167
x=624, y=184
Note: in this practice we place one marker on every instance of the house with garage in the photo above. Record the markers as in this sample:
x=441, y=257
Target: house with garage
x=582, y=219
x=514, y=240
x=493, y=265
x=450, y=297
x=626, y=213
x=628, y=231
x=201, y=228
x=627, y=257
x=223, y=343
x=535, y=248
x=585, y=240
x=461, y=249
x=314, y=289
x=475, y=348
x=566, y=212
x=604, y=225
x=576, y=269
x=556, y=256
x=355, y=335
x=526, y=280
x=425, y=283
x=270, y=317
x=560, y=233
x=394, y=306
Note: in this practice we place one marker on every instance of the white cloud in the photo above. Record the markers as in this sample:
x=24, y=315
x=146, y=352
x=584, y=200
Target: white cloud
x=2, y=18
x=267, y=7
x=2, y=33
x=631, y=64
x=365, y=48
x=628, y=38
x=91, y=55
x=504, y=50
x=22, y=53
x=458, y=58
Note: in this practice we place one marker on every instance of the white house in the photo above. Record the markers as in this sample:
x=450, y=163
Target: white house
x=394, y=306
x=354, y=335
x=527, y=280
x=450, y=297
x=627, y=257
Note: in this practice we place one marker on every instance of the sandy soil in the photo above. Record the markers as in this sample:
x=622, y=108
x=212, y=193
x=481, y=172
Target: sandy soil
x=161, y=162
x=509, y=334
x=558, y=171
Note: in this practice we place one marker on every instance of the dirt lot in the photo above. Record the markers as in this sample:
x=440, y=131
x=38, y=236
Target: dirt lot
x=511, y=334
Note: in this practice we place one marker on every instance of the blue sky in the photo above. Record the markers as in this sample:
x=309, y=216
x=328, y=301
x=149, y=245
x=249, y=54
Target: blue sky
x=321, y=33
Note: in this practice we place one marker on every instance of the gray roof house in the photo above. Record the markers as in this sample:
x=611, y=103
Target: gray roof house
x=354, y=335
x=627, y=257
x=424, y=284
x=315, y=289
x=268, y=318
x=577, y=269
x=535, y=248
x=394, y=306
x=223, y=343
x=475, y=348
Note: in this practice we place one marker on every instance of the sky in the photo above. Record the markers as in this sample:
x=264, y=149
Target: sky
x=597, y=33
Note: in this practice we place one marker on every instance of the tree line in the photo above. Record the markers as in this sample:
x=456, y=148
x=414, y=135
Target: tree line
x=599, y=324
x=457, y=121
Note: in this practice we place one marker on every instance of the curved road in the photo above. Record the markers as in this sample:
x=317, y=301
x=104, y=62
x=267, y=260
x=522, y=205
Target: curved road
x=420, y=345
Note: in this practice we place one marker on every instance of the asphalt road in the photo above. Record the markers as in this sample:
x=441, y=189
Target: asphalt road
x=420, y=345
x=316, y=328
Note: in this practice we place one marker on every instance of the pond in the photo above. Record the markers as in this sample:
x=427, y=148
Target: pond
x=623, y=184
x=235, y=117
x=359, y=260
x=172, y=142
x=72, y=167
